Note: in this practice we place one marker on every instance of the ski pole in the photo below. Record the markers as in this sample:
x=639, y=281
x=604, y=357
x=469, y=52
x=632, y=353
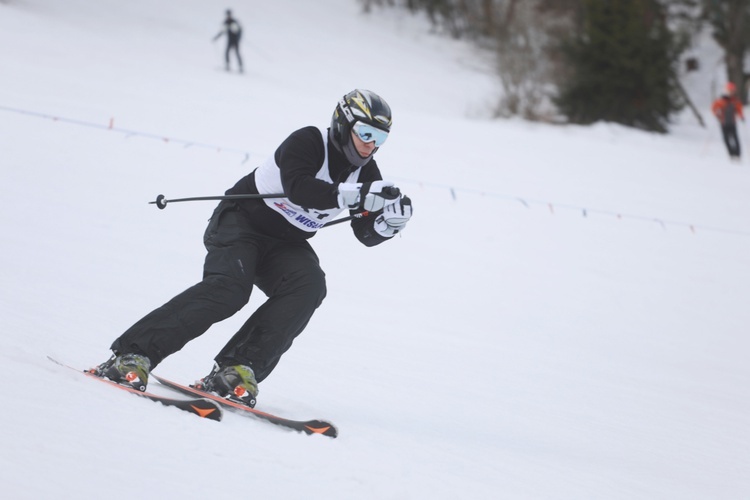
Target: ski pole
x=358, y=215
x=161, y=200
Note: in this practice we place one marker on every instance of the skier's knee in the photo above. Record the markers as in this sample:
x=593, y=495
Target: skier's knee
x=316, y=286
x=230, y=292
x=308, y=286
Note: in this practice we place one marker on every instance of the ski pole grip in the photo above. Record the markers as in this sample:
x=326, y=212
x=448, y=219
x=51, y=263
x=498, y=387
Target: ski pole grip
x=392, y=192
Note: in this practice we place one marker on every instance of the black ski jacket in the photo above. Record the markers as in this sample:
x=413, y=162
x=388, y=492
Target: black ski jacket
x=299, y=158
x=233, y=30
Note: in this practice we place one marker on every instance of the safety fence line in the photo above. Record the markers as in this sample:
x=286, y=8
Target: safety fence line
x=528, y=203
x=129, y=133
x=584, y=211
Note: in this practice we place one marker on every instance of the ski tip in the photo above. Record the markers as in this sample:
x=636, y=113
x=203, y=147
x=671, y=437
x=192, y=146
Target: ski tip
x=321, y=427
x=208, y=409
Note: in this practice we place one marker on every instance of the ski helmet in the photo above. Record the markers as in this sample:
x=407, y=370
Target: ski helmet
x=358, y=106
x=731, y=88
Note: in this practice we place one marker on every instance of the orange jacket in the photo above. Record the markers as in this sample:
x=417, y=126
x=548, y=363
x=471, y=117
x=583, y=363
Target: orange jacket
x=726, y=107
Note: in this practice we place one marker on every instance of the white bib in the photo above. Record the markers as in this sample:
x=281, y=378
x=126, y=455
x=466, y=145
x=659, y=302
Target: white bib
x=268, y=180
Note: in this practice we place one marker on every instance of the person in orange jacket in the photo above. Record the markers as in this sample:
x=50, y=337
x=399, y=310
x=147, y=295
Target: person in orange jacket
x=727, y=108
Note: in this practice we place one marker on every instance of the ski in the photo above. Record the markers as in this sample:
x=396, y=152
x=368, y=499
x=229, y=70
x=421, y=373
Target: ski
x=200, y=406
x=307, y=426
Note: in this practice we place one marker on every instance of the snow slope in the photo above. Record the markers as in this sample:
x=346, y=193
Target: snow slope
x=565, y=317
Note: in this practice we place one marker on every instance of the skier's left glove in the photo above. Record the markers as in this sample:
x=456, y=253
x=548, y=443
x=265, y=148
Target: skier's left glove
x=394, y=217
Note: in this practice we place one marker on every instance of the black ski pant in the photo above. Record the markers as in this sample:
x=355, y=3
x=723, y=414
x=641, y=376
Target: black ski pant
x=233, y=46
x=238, y=257
x=729, y=132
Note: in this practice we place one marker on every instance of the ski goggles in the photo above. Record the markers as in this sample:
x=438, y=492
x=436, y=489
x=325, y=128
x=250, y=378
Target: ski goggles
x=368, y=133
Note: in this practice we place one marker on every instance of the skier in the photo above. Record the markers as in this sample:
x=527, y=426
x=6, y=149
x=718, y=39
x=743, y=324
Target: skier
x=263, y=242
x=726, y=108
x=233, y=32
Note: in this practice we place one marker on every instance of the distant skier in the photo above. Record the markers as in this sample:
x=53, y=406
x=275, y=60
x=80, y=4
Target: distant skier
x=727, y=108
x=233, y=32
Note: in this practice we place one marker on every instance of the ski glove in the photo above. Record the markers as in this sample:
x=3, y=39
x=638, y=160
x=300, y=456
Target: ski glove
x=394, y=217
x=370, y=196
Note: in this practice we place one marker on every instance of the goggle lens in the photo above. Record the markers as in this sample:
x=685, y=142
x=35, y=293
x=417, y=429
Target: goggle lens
x=368, y=133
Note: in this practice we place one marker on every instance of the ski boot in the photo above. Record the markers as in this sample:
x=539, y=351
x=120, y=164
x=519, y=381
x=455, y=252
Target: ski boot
x=235, y=383
x=130, y=370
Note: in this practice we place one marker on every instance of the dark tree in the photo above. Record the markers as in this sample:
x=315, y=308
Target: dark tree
x=730, y=21
x=621, y=66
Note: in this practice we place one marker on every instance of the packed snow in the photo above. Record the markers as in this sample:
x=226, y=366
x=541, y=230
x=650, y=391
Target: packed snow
x=565, y=317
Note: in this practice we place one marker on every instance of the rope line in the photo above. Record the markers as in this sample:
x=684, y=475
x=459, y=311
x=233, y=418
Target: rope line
x=129, y=133
x=584, y=211
x=452, y=190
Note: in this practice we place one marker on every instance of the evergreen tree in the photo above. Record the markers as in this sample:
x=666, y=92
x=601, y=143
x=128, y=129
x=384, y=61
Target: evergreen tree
x=730, y=20
x=621, y=66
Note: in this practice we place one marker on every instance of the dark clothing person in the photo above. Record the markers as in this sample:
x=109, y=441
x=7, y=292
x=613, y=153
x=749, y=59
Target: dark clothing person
x=731, y=140
x=726, y=109
x=263, y=243
x=233, y=31
x=249, y=244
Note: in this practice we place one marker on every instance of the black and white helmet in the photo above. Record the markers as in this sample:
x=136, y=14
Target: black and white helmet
x=358, y=106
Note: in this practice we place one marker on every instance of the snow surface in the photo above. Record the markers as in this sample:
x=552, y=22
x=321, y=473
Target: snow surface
x=565, y=317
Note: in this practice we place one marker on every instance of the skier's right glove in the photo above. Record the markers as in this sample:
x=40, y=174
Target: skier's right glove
x=370, y=196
